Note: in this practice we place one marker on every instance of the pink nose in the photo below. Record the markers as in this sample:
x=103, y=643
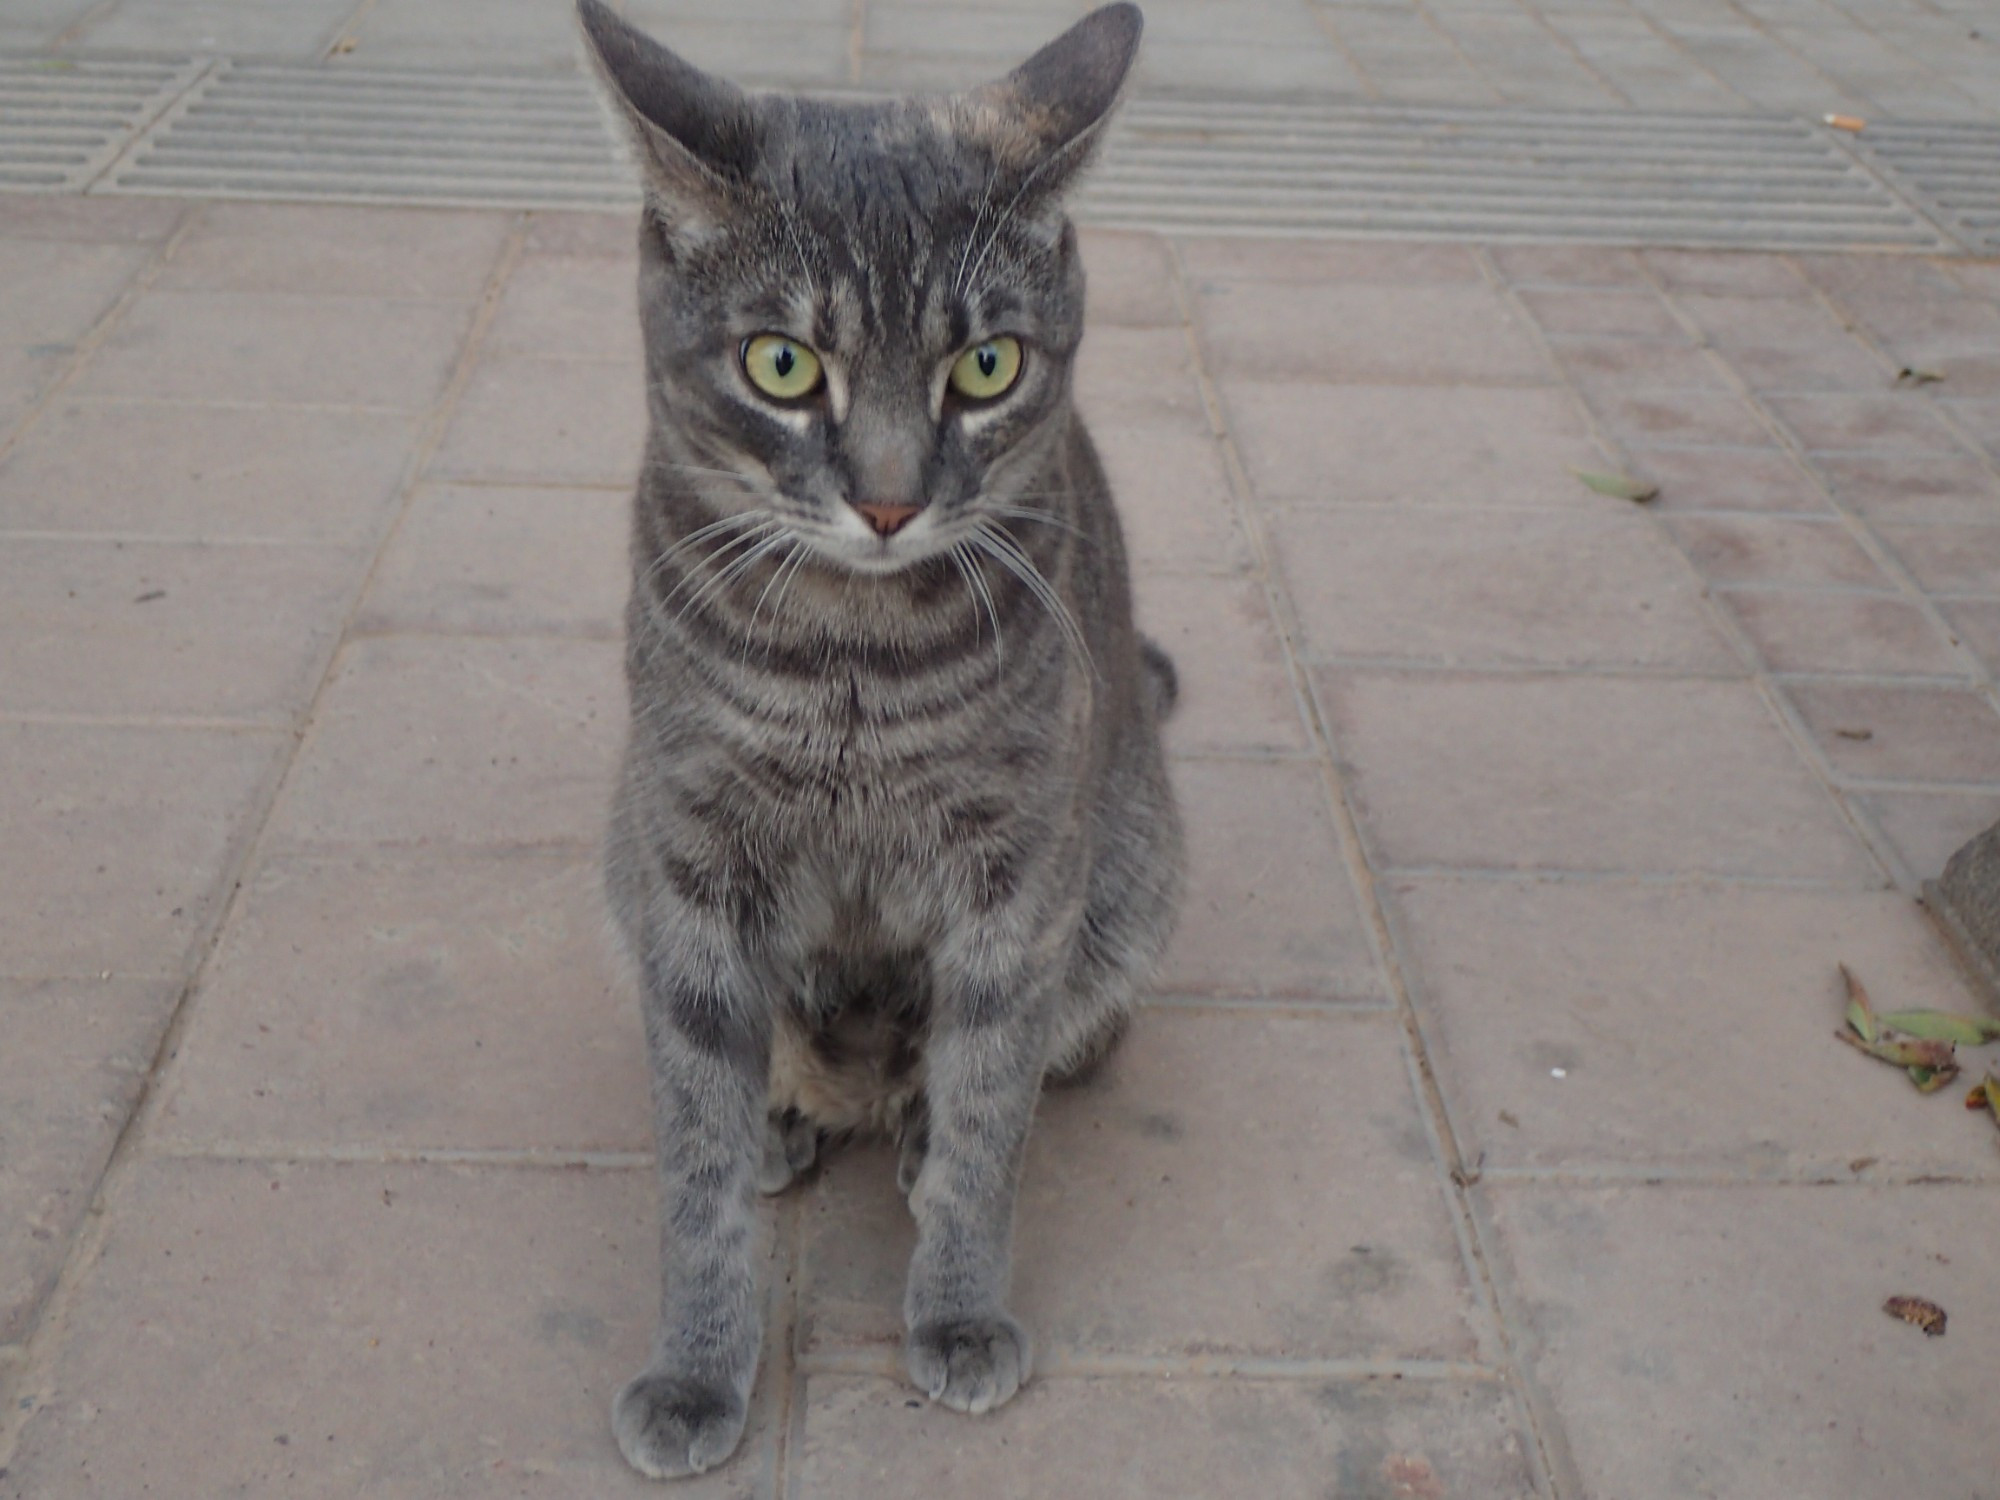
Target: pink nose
x=887, y=519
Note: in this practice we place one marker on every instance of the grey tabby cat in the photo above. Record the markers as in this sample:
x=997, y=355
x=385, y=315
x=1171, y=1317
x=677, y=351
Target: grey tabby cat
x=893, y=842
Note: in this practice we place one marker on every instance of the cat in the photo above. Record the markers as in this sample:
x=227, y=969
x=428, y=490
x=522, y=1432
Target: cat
x=893, y=843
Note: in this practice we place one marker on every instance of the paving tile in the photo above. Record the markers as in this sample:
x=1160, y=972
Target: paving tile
x=400, y=1331
x=176, y=629
x=1927, y=828
x=1760, y=479
x=1977, y=624
x=460, y=740
x=1607, y=1026
x=1621, y=364
x=1138, y=374
x=581, y=233
x=1269, y=909
x=1342, y=331
x=114, y=840
x=1131, y=278
x=116, y=221
x=547, y=421
x=279, y=348
x=1915, y=733
x=1457, y=445
x=1912, y=486
x=1881, y=421
x=1167, y=1440
x=414, y=1000
x=343, y=250
x=73, y=1056
x=209, y=472
x=1794, y=551
x=1568, y=265
x=504, y=562
x=1981, y=420
x=211, y=26
x=1655, y=1336
x=574, y=306
x=1737, y=322
x=1516, y=588
x=1642, y=418
x=1625, y=314
x=1812, y=632
x=1172, y=494
x=1156, y=1218
x=1948, y=558
x=1316, y=262
x=1811, y=367
x=1723, y=273
x=56, y=292
x=1585, y=773
x=1235, y=694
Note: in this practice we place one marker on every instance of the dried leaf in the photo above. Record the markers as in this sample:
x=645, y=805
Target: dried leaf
x=342, y=47
x=1975, y=1097
x=1618, y=486
x=1917, y=375
x=1852, y=123
x=1918, y=1312
x=1986, y=1092
x=1855, y=734
x=1860, y=1014
x=1906, y=1052
x=1942, y=1026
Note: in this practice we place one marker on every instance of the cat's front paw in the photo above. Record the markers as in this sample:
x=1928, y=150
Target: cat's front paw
x=670, y=1425
x=970, y=1364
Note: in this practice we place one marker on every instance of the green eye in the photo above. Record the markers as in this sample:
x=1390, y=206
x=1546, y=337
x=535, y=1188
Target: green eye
x=781, y=368
x=987, y=370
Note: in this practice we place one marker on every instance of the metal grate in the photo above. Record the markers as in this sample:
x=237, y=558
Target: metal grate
x=63, y=120
x=1953, y=170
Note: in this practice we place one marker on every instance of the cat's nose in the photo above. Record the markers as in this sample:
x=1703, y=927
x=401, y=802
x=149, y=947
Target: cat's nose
x=887, y=519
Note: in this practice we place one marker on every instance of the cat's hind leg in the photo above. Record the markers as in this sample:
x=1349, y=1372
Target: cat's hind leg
x=791, y=1146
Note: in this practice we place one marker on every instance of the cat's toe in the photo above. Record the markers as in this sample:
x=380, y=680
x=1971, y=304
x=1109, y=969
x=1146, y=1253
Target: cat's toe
x=670, y=1425
x=970, y=1364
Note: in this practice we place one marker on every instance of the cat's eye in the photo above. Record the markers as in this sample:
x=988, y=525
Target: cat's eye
x=782, y=368
x=987, y=370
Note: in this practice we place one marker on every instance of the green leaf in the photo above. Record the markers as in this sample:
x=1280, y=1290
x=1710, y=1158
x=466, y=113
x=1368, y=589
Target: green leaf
x=1906, y=1052
x=1860, y=1015
x=1618, y=486
x=1942, y=1026
x=1930, y=1080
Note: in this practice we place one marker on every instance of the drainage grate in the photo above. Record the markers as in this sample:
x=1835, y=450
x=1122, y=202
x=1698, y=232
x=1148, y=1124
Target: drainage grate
x=1738, y=181
x=269, y=131
x=1953, y=170
x=63, y=120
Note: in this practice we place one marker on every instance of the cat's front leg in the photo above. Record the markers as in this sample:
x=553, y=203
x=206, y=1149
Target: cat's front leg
x=983, y=1073
x=708, y=1033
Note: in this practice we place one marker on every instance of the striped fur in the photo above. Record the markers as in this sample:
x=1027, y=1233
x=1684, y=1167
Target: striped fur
x=893, y=841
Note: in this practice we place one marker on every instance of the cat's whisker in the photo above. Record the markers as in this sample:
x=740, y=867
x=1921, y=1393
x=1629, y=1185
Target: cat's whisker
x=739, y=566
x=975, y=582
x=752, y=520
x=1004, y=550
x=1026, y=513
x=794, y=547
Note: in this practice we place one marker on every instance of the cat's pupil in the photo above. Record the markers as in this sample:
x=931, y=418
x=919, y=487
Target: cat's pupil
x=783, y=361
x=988, y=360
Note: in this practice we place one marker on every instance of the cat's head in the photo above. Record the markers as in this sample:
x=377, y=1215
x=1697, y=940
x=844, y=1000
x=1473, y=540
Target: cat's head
x=860, y=317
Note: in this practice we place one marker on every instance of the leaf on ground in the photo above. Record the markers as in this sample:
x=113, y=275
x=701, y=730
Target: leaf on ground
x=1930, y=1080
x=1917, y=375
x=1985, y=1094
x=1907, y=1052
x=1860, y=1014
x=1853, y=124
x=1618, y=486
x=1919, y=1312
x=1942, y=1026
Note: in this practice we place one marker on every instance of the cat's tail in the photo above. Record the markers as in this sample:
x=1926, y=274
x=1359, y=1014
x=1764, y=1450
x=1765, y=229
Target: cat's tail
x=1163, y=683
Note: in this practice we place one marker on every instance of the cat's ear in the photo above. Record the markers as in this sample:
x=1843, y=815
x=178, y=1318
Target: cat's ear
x=696, y=135
x=1045, y=119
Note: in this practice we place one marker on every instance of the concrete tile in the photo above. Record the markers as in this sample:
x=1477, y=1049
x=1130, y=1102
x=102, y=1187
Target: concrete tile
x=402, y=1331
x=1927, y=828
x=1912, y=733
x=1810, y=367
x=547, y=421
x=460, y=740
x=1583, y=773
x=1138, y=375
x=574, y=306
x=1218, y=64
x=1131, y=278
x=1236, y=696
x=414, y=1000
x=1458, y=445
x=74, y=1055
x=1691, y=1026
x=1655, y=1335
x=1794, y=551
x=1761, y=479
x=1365, y=333
x=492, y=561
x=1948, y=558
x=295, y=31
x=209, y=472
x=1981, y=420
x=114, y=841
x=1643, y=418
x=1568, y=265
x=1734, y=321
x=1812, y=632
x=1622, y=364
x=115, y=221
x=1724, y=273
x=1237, y=258
x=578, y=232
x=1172, y=494
x=1877, y=422
x=278, y=348
x=1622, y=314
x=176, y=629
x=56, y=292
x=1270, y=908
x=1167, y=1440
x=344, y=250
x=1156, y=1218
x=1976, y=622
x=1514, y=588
